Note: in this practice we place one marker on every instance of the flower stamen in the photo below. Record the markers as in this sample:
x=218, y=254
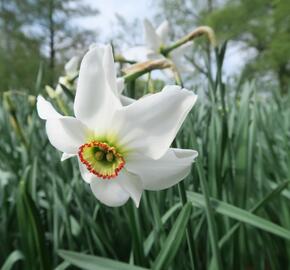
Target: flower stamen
x=99, y=155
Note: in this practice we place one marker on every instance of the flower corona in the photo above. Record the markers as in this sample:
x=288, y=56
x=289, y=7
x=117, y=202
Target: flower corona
x=101, y=159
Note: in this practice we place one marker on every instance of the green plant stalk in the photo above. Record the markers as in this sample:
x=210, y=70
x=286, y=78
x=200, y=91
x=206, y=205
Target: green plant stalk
x=210, y=218
x=202, y=30
x=189, y=232
x=183, y=197
x=254, y=209
x=174, y=239
x=13, y=118
x=121, y=59
x=31, y=229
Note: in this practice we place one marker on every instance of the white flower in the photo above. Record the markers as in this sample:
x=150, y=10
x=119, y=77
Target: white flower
x=71, y=70
x=156, y=39
x=122, y=150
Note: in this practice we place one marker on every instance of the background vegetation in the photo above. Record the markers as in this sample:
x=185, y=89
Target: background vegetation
x=237, y=214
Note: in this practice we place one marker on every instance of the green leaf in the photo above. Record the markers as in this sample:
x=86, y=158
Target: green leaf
x=173, y=240
x=64, y=265
x=148, y=243
x=14, y=257
x=239, y=214
x=67, y=92
x=210, y=218
x=88, y=262
x=31, y=231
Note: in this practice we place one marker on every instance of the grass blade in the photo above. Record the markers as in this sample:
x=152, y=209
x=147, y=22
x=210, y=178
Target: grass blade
x=210, y=218
x=173, y=240
x=239, y=214
x=14, y=257
x=88, y=262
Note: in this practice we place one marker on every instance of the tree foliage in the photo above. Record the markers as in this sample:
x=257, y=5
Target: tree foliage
x=39, y=33
x=263, y=25
x=260, y=25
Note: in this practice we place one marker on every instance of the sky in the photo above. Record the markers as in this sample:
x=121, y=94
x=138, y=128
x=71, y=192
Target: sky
x=106, y=19
x=105, y=22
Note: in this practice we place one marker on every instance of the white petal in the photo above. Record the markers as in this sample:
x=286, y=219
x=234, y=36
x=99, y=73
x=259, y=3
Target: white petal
x=95, y=102
x=165, y=172
x=93, y=46
x=109, y=192
x=58, y=89
x=86, y=175
x=153, y=41
x=126, y=100
x=163, y=31
x=168, y=74
x=182, y=50
x=66, y=156
x=132, y=184
x=178, y=59
x=151, y=55
x=66, y=134
x=71, y=67
x=183, y=66
x=109, y=67
x=137, y=53
x=120, y=85
x=150, y=124
x=45, y=109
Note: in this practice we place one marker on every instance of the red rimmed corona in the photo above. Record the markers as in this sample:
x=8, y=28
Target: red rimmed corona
x=101, y=159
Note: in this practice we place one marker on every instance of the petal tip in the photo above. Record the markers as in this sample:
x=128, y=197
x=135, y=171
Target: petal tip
x=45, y=110
x=137, y=200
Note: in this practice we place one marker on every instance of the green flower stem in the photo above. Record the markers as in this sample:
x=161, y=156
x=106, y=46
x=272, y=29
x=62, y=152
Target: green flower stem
x=120, y=59
x=210, y=218
x=183, y=197
x=189, y=232
x=177, y=76
x=202, y=30
x=140, y=69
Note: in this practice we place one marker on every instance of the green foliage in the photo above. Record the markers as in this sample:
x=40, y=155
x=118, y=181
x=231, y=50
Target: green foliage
x=38, y=33
x=87, y=262
x=31, y=231
x=237, y=191
x=174, y=239
x=260, y=25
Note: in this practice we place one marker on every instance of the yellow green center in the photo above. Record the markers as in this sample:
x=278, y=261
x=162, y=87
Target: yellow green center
x=101, y=159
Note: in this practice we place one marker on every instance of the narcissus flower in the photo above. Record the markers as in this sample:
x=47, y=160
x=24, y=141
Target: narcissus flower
x=122, y=150
x=71, y=71
x=156, y=39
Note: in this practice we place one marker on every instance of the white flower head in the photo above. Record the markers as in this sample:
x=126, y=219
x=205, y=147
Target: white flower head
x=71, y=70
x=156, y=39
x=122, y=150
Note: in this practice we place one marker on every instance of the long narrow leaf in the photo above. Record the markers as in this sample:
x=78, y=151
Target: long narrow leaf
x=239, y=214
x=88, y=262
x=173, y=240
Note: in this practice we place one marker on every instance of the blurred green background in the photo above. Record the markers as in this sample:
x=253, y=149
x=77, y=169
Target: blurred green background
x=238, y=215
